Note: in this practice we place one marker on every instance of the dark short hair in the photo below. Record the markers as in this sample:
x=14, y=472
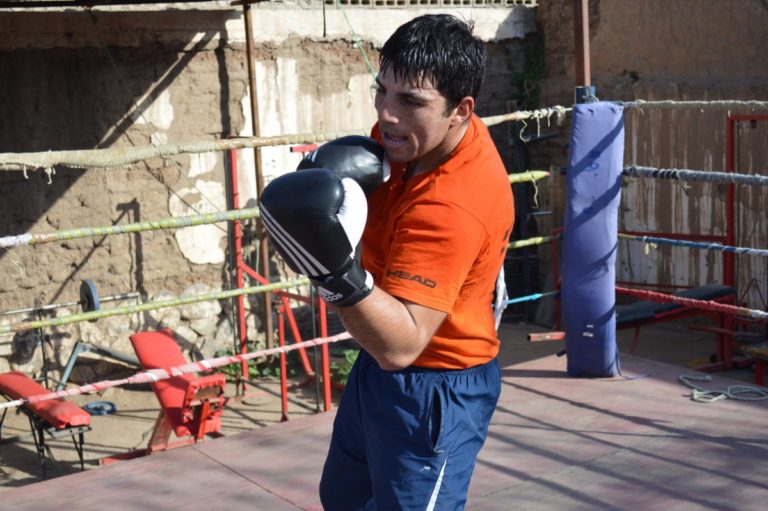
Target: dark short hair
x=440, y=48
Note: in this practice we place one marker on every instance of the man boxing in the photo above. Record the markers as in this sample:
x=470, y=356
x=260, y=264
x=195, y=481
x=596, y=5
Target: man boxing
x=417, y=405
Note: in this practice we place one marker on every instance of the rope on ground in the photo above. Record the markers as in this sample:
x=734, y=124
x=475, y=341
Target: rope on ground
x=122, y=156
x=144, y=307
x=738, y=392
x=696, y=304
x=154, y=375
x=152, y=225
x=653, y=240
x=725, y=104
x=697, y=175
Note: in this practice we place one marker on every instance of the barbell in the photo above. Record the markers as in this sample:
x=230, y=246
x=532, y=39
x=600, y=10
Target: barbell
x=89, y=301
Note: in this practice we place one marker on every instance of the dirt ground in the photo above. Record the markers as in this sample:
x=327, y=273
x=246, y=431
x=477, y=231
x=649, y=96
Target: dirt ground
x=130, y=427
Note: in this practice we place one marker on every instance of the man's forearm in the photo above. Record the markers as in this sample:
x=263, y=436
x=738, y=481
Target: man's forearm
x=391, y=331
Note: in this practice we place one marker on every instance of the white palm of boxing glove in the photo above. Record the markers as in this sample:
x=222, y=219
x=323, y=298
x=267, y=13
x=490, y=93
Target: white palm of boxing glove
x=315, y=220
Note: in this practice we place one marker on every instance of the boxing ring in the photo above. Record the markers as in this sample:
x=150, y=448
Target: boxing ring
x=91, y=302
x=602, y=444
x=634, y=437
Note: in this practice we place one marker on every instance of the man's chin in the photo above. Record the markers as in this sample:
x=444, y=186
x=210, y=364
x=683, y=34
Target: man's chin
x=397, y=155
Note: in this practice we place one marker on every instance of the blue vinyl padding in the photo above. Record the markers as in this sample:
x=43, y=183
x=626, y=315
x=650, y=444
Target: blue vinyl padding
x=646, y=310
x=590, y=239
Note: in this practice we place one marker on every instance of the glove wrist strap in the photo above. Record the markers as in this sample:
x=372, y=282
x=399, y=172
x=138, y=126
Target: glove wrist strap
x=344, y=288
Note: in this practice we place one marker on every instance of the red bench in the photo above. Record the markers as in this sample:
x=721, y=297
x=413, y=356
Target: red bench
x=52, y=417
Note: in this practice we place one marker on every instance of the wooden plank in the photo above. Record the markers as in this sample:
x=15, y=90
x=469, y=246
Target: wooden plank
x=546, y=336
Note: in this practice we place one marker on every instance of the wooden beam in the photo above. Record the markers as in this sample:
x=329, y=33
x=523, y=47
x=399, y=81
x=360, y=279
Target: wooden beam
x=546, y=336
x=263, y=245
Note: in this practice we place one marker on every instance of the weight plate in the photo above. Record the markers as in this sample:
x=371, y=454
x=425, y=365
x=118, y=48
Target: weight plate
x=89, y=297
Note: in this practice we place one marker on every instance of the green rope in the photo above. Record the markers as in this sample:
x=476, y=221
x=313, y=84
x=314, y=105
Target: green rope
x=358, y=42
x=538, y=240
x=177, y=222
x=152, y=225
x=150, y=306
x=528, y=176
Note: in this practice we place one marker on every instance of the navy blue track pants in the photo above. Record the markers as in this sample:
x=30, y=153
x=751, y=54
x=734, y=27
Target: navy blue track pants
x=408, y=439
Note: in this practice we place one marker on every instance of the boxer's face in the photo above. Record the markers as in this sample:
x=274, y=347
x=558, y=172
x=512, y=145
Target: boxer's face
x=416, y=124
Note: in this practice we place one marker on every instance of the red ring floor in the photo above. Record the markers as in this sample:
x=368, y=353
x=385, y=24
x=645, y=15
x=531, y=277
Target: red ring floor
x=555, y=443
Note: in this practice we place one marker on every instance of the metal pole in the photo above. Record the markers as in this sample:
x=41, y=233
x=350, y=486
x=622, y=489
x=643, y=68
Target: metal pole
x=729, y=260
x=53, y=306
x=327, y=398
x=726, y=321
x=236, y=256
x=584, y=88
x=263, y=246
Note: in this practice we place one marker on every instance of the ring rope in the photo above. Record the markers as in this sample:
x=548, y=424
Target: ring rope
x=529, y=242
x=154, y=375
x=528, y=176
x=152, y=225
x=695, y=244
x=149, y=306
x=356, y=39
x=115, y=157
x=542, y=113
x=118, y=156
x=725, y=104
x=738, y=392
x=697, y=175
x=533, y=297
x=691, y=302
x=178, y=222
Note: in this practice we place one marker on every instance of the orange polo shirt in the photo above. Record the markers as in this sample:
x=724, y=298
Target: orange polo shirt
x=439, y=239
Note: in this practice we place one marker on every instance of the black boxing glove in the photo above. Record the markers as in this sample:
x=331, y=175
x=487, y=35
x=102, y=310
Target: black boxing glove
x=360, y=158
x=315, y=220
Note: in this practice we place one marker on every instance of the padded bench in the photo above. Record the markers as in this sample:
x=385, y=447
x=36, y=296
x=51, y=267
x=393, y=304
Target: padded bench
x=191, y=405
x=646, y=312
x=52, y=417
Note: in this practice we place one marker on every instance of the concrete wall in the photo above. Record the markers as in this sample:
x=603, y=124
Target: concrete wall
x=128, y=78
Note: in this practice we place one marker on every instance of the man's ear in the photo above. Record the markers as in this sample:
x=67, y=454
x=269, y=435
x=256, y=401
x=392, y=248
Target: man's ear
x=463, y=111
